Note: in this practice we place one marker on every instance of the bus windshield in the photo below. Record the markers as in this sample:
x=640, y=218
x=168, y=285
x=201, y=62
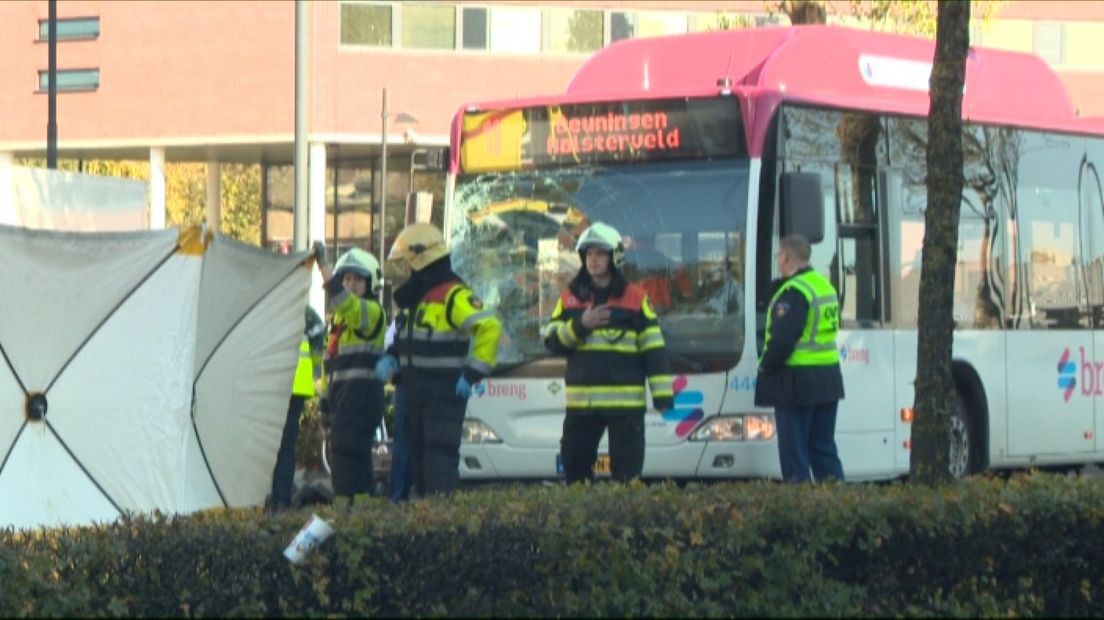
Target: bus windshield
x=683, y=225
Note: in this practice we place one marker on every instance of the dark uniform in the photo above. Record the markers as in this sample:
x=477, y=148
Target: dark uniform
x=799, y=374
x=355, y=394
x=442, y=333
x=307, y=372
x=606, y=371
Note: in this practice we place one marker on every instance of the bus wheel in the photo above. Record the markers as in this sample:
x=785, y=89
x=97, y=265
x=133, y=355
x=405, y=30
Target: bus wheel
x=960, y=458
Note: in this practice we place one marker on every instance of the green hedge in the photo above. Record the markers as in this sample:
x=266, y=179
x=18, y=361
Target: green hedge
x=1032, y=545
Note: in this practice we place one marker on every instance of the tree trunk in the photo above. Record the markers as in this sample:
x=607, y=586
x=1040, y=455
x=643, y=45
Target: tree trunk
x=804, y=11
x=934, y=387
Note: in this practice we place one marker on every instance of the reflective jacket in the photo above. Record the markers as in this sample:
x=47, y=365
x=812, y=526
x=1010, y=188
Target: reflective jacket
x=607, y=366
x=817, y=344
x=796, y=316
x=309, y=369
x=359, y=326
x=447, y=330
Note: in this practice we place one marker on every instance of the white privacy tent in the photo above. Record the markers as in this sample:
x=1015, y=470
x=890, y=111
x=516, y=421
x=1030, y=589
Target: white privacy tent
x=163, y=361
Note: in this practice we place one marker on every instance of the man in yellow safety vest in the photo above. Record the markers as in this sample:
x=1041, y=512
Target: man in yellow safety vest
x=799, y=370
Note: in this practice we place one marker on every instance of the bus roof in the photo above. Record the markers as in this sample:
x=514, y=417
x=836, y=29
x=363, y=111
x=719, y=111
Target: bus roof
x=821, y=65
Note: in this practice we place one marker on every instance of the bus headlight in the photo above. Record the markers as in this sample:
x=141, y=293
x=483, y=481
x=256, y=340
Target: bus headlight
x=758, y=427
x=735, y=428
x=475, y=431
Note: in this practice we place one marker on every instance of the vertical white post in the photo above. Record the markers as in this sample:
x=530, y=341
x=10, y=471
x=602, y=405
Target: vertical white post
x=157, y=188
x=214, y=195
x=300, y=233
x=316, y=217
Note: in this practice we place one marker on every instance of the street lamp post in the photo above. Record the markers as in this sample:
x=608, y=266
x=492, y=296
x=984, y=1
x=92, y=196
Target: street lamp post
x=382, y=254
x=401, y=117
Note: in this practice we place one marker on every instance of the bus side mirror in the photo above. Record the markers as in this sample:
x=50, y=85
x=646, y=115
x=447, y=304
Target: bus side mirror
x=802, y=205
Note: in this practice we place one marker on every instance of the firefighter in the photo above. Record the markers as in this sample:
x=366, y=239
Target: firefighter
x=307, y=373
x=607, y=329
x=445, y=343
x=355, y=394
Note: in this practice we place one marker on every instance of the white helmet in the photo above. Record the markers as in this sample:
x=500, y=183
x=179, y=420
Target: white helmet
x=604, y=236
x=362, y=264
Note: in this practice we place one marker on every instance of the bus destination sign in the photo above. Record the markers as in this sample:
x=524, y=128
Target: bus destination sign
x=601, y=133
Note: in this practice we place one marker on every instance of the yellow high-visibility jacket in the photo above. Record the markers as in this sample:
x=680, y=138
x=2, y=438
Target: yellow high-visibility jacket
x=608, y=366
x=359, y=324
x=448, y=330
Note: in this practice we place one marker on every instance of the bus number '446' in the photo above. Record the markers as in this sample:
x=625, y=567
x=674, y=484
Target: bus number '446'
x=743, y=383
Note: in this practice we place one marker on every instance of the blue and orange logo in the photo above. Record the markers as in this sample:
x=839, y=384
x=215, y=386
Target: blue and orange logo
x=1067, y=374
x=687, y=411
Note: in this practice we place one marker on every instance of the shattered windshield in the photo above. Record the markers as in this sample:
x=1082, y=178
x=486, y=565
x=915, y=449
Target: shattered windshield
x=683, y=224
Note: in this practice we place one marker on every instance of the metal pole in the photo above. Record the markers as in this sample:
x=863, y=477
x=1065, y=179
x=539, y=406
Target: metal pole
x=299, y=232
x=383, y=199
x=51, y=122
x=412, y=168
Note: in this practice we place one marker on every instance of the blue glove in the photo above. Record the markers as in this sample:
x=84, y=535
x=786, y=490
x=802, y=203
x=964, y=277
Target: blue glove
x=463, y=388
x=386, y=368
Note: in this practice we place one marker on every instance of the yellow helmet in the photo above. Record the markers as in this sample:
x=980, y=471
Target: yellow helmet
x=419, y=245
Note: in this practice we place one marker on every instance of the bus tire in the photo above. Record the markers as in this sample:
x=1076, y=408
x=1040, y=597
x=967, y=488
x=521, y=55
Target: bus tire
x=964, y=457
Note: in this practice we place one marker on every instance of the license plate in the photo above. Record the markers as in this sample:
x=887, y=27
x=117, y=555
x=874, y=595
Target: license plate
x=601, y=466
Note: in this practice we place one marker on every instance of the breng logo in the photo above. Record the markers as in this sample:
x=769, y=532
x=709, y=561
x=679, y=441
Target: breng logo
x=687, y=410
x=492, y=388
x=1067, y=374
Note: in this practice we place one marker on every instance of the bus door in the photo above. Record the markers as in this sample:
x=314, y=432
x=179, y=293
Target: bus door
x=851, y=255
x=845, y=150
x=856, y=262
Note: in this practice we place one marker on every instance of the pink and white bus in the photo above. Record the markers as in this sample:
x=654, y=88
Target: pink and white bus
x=702, y=150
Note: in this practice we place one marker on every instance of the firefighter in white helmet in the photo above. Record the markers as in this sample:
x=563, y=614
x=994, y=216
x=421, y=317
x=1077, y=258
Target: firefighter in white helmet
x=445, y=343
x=607, y=329
x=355, y=394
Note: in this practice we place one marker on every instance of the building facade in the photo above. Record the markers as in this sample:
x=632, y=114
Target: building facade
x=214, y=82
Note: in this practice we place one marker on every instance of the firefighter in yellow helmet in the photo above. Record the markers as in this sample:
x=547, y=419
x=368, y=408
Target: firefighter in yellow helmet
x=607, y=329
x=355, y=394
x=445, y=342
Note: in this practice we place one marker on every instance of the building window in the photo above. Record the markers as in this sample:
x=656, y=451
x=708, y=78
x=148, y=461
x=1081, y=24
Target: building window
x=366, y=24
x=622, y=25
x=474, y=24
x=709, y=22
x=429, y=26
x=578, y=30
x=71, y=28
x=975, y=35
x=71, y=80
x=1050, y=42
x=625, y=25
x=655, y=24
x=516, y=30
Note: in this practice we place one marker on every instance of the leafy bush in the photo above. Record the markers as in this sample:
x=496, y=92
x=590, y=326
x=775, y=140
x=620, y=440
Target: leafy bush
x=1027, y=546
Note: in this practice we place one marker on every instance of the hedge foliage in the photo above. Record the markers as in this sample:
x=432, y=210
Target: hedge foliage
x=1032, y=545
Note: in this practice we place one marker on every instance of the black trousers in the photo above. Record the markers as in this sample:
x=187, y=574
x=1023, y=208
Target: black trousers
x=283, y=474
x=434, y=421
x=358, y=410
x=582, y=432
